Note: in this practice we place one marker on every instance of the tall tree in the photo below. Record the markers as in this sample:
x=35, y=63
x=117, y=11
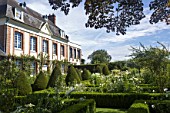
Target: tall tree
x=155, y=59
x=100, y=56
x=116, y=15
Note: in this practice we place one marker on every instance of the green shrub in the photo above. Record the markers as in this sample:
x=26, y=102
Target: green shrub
x=138, y=108
x=79, y=73
x=157, y=106
x=54, y=76
x=85, y=106
x=72, y=76
x=22, y=84
x=106, y=70
x=86, y=74
x=40, y=82
x=99, y=69
x=116, y=100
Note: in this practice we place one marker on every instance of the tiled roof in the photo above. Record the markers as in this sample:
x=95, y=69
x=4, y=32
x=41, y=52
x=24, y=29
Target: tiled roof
x=31, y=17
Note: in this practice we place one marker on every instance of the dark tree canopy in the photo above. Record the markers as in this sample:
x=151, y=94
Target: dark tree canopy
x=99, y=56
x=116, y=15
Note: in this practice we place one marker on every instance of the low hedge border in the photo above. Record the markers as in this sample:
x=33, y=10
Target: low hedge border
x=138, y=108
x=116, y=100
x=84, y=106
x=156, y=106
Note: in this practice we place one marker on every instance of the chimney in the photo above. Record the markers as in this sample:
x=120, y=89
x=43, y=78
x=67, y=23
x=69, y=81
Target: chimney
x=52, y=18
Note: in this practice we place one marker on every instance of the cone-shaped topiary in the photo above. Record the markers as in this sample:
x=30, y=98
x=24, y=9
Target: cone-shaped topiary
x=22, y=84
x=79, y=73
x=40, y=82
x=72, y=76
x=99, y=69
x=54, y=76
x=106, y=70
x=86, y=74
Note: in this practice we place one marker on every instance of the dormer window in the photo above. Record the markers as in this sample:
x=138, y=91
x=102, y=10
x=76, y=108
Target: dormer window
x=62, y=33
x=18, y=14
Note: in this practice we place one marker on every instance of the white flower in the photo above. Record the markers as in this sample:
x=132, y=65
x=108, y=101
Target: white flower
x=166, y=89
x=29, y=105
x=153, y=106
x=31, y=75
x=153, y=91
x=145, y=102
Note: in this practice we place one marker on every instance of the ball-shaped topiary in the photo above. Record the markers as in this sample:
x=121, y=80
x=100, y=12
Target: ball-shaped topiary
x=40, y=82
x=99, y=69
x=86, y=74
x=54, y=76
x=106, y=70
x=22, y=84
x=72, y=76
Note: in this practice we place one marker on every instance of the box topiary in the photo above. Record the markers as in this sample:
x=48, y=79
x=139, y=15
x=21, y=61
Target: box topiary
x=22, y=84
x=72, y=76
x=54, y=76
x=79, y=73
x=86, y=74
x=106, y=70
x=40, y=82
x=99, y=69
x=138, y=108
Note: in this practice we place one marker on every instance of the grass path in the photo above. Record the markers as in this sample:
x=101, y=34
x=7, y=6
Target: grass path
x=109, y=110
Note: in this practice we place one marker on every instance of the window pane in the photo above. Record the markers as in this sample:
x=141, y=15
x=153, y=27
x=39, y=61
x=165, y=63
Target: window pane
x=62, y=50
x=54, y=48
x=18, y=40
x=71, y=52
x=45, y=46
x=33, y=43
x=75, y=53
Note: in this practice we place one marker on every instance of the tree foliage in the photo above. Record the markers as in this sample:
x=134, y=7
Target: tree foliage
x=99, y=56
x=115, y=15
x=155, y=59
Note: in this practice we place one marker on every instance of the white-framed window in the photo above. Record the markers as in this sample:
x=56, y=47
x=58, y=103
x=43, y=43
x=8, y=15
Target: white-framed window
x=33, y=43
x=71, y=52
x=79, y=53
x=75, y=54
x=62, y=50
x=62, y=33
x=18, y=40
x=55, y=48
x=18, y=64
x=18, y=14
x=33, y=68
x=45, y=46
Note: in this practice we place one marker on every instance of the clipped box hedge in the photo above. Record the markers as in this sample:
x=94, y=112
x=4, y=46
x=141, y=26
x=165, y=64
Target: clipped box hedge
x=115, y=100
x=138, y=108
x=157, y=106
x=85, y=106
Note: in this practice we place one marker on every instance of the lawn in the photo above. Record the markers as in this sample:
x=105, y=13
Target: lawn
x=109, y=110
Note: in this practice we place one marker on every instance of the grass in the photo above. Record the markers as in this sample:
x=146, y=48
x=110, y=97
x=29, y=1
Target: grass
x=109, y=110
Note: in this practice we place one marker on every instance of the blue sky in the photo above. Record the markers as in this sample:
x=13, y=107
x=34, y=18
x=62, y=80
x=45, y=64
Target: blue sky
x=92, y=39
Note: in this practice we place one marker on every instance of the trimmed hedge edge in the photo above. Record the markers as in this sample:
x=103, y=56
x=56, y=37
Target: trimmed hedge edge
x=84, y=106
